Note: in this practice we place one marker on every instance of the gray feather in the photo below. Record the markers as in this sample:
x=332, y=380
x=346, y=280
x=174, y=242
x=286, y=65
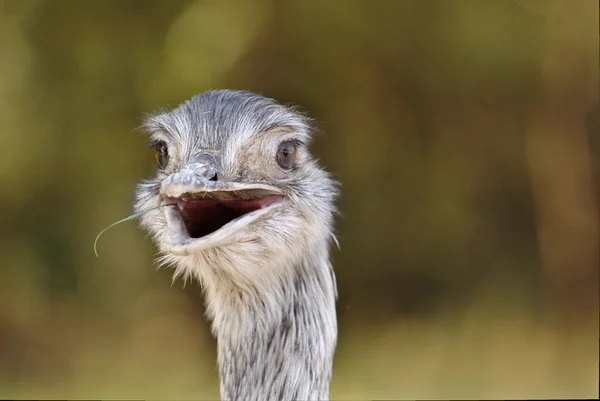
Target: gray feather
x=271, y=294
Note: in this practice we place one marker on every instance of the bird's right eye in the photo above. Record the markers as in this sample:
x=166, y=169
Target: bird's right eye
x=162, y=154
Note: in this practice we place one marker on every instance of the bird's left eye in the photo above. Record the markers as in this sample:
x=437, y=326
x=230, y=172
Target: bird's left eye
x=286, y=154
x=162, y=154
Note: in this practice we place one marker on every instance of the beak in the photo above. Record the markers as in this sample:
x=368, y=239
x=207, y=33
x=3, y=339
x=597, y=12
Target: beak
x=211, y=212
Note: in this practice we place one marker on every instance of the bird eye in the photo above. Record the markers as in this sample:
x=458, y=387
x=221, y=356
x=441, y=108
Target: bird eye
x=286, y=154
x=162, y=154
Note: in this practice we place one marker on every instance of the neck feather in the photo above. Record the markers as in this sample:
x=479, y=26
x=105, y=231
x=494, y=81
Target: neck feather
x=277, y=342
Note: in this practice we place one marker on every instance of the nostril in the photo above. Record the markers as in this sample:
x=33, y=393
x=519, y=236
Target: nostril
x=213, y=178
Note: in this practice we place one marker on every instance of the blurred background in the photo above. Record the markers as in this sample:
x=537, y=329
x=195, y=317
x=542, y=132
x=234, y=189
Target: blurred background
x=466, y=135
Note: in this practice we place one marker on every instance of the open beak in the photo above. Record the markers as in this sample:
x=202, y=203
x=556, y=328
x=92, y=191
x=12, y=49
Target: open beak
x=210, y=213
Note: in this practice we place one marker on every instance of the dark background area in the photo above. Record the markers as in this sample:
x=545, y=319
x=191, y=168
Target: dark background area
x=466, y=136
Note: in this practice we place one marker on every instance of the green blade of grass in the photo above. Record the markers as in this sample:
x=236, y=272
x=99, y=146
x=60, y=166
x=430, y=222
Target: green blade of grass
x=133, y=216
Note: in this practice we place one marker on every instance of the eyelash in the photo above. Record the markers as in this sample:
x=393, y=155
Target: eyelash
x=299, y=143
x=154, y=142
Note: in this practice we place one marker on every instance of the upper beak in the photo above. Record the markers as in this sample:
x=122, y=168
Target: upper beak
x=202, y=176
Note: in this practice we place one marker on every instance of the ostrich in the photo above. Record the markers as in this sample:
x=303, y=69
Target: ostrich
x=253, y=223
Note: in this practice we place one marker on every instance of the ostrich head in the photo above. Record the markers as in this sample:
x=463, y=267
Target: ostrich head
x=252, y=223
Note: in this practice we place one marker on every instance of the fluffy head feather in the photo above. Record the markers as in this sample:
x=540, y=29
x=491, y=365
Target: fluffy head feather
x=269, y=286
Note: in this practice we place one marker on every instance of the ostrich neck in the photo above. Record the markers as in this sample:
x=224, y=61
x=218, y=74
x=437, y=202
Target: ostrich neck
x=278, y=344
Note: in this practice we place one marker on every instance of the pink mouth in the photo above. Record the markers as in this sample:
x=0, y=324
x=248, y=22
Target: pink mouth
x=205, y=216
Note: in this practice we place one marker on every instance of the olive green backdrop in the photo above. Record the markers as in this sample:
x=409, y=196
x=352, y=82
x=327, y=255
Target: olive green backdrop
x=466, y=136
